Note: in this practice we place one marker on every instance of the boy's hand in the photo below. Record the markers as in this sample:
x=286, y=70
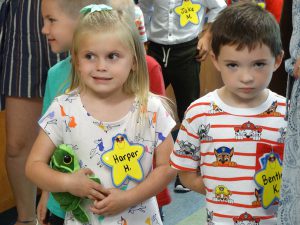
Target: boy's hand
x=114, y=203
x=203, y=48
x=79, y=184
x=42, y=208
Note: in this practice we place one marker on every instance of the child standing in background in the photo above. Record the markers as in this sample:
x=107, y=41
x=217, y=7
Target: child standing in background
x=60, y=19
x=109, y=97
x=235, y=134
x=178, y=41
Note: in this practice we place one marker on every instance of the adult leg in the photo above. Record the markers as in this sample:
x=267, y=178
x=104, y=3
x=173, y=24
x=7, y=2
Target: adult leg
x=22, y=115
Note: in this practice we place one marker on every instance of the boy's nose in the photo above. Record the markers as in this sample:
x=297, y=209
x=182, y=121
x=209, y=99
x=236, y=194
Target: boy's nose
x=246, y=76
x=45, y=29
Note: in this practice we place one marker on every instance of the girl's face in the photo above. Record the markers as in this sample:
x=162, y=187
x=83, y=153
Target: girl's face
x=58, y=26
x=104, y=63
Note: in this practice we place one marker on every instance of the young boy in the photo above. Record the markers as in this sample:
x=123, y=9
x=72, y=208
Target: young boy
x=60, y=19
x=235, y=134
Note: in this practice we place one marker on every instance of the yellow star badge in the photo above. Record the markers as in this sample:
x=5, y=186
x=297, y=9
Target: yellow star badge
x=269, y=179
x=188, y=12
x=124, y=160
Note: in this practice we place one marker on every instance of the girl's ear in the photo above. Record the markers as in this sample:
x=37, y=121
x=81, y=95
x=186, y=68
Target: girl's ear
x=278, y=60
x=214, y=60
x=133, y=64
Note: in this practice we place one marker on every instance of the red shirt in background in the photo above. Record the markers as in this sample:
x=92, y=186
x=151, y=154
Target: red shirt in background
x=273, y=6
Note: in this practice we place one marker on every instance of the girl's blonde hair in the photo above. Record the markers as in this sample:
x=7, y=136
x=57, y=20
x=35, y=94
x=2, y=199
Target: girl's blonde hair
x=120, y=24
x=72, y=7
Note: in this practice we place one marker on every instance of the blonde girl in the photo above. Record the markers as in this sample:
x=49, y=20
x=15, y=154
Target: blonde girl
x=115, y=126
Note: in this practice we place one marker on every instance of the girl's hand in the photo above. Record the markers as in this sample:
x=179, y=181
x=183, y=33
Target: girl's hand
x=42, y=208
x=114, y=203
x=297, y=69
x=81, y=185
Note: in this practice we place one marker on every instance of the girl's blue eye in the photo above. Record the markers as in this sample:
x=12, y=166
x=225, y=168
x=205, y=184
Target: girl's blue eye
x=113, y=55
x=89, y=56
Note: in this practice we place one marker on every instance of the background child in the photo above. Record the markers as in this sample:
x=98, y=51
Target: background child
x=236, y=133
x=173, y=29
x=110, y=80
x=60, y=18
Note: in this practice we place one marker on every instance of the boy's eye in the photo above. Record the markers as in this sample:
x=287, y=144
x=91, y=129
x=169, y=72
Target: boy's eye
x=113, y=55
x=231, y=65
x=259, y=65
x=52, y=20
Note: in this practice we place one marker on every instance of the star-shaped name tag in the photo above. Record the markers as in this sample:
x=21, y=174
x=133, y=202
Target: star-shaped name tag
x=124, y=160
x=269, y=179
x=188, y=12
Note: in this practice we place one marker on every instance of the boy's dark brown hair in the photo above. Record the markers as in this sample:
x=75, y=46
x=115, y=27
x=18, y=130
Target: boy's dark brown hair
x=245, y=24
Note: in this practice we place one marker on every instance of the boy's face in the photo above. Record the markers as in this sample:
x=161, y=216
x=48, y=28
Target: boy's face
x=58, y=26
x=246, y=74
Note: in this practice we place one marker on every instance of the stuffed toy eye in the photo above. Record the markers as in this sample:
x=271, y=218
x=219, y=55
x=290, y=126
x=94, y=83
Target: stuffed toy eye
x=67, y=159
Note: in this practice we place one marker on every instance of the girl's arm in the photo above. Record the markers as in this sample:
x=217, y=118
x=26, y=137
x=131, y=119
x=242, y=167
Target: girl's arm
x=155, y=182
x=192, y=180
x=38, y=171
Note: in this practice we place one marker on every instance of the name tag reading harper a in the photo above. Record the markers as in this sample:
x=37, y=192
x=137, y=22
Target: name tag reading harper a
x=124, y=160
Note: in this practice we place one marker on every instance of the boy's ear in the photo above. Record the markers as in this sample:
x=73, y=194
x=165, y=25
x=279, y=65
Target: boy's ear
x=214, y=60
x=278, y=60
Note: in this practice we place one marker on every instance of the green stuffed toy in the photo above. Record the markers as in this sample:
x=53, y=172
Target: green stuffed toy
x=64, y=160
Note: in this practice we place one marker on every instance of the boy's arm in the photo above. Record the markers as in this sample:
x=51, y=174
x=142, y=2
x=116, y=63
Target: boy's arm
x=192, y=180
x=204, y=43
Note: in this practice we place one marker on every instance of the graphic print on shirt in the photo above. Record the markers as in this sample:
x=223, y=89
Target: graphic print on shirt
x=209, y=217
x=124, y=160
x=69, y=121
x=223, y=157
x=188, y=149
x=282, y=132
x=214, y=108
x=257, y=194
x=222, y=194
x=271, y=111
x=246, y=218
x=97, y=150
x=203, y=132
x=188, y=13
x=248, y=131
x=152, y=221
x=50, y=117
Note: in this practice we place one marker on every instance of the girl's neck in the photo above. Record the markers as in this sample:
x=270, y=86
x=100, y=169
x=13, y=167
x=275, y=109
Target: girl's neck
x=107, y=109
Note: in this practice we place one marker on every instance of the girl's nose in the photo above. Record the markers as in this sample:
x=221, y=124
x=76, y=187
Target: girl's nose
x=101, y=65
